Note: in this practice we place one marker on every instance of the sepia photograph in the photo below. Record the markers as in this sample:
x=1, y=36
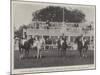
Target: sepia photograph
x=48, y=37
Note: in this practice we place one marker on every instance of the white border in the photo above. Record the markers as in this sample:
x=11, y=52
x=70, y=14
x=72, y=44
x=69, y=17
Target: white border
x=47, y=69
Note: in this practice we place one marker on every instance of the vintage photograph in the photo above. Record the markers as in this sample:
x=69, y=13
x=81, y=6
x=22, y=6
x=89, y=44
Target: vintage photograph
x=51, y=36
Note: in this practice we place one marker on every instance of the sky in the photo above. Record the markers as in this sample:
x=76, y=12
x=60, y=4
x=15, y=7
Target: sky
x=22, y=11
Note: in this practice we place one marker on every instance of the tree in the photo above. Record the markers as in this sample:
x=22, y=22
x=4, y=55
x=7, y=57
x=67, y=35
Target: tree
x=74, y=16
x=58, y=14
x=50, y=13
x=19, y=33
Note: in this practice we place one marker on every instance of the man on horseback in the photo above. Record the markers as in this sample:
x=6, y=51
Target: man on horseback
x=79, y=44
x=24, y=46
x=82, y=45
x=38, y=44
x=40, y=47
x=85, y=46
x=62, y=45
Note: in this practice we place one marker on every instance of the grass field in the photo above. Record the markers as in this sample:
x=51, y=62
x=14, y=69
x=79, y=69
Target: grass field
x=50, y=59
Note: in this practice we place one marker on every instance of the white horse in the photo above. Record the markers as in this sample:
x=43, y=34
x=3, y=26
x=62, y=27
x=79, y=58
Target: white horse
x=39, y=44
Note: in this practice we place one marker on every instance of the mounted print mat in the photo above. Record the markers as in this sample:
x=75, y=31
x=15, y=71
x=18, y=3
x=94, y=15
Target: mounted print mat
x=49, y=37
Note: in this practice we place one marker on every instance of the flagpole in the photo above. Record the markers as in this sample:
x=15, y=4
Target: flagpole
x=62, y=26
x=63, y=21
x=63, y=15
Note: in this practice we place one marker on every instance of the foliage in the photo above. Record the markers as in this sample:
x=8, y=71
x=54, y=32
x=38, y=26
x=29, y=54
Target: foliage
x=19, y=33
x=58, y=14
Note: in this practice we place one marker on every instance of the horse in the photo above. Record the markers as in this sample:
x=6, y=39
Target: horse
x=82, y=46
x=85, y=47
x=59, y=45
x=79, y=45
x=62, y=46
x=24, y=46
x=38, y=44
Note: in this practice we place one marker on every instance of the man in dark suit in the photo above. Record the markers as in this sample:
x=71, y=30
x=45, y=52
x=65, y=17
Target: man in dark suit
x=79, y=44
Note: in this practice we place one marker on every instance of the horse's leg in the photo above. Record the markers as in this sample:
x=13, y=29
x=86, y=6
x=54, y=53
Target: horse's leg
x=38, y=52
x=80, y=52
x=64, y=51
x=61, y=49
x=85, y=52
x=26, y=53
x=20, y=50
x=58, y=51
x=41, y=50
x=21, y=53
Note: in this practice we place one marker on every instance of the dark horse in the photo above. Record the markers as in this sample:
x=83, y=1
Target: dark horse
x=82, y=48
x=24, y=46
x=85, y=47
x=62, y=46
x=79, y=45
